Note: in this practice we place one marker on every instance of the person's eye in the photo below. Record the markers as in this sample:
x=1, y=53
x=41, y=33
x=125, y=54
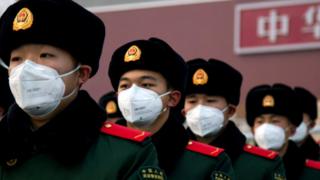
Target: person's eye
x=16, y=59
x=275, y=121
x=211, y=100
x=191, y=101
x=259, y=121
x=147, y=85
x=123, y=86
x=47, y=55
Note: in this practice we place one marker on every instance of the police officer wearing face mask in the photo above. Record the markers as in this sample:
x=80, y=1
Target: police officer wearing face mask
x=54, y=130
x=149, y=77
x=273, y=114
x=212, y=94
x=308, y=103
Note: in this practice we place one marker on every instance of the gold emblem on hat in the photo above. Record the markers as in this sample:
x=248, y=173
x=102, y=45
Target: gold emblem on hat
x=268, y=101
x=23, y=20
x=200, y=77
x=132, y=54
x=111, y=107
x=12, y=162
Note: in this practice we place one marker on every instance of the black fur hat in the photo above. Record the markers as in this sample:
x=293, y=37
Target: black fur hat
x=60, y=23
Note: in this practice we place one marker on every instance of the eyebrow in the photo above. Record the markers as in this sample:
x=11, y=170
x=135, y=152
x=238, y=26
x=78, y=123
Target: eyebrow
x=124, y=79
x=148, y=78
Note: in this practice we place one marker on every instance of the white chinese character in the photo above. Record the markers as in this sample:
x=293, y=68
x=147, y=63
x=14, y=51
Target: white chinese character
x=267, y=26
x=312, y=20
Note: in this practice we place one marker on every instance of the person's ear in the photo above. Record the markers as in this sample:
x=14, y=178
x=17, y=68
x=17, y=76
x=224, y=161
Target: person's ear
x=312, y=124
x=231, y=111
x=84, y=74
x=292, y=129
x=174, y=98
x=183, y=112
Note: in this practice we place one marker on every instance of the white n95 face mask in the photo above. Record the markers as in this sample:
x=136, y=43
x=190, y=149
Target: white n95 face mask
x=301, y=133
x=140, y=106
x=37, y=89
x=269, y=136
x=205, y=120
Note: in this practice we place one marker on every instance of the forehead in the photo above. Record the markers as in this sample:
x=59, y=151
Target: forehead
x=135, y=75
x=205, y=96
x=30, y=48
x=271, y=116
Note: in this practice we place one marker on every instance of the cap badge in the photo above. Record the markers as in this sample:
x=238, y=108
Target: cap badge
x=23, y=20
x=200, y=77
x=111, y=107
x=133, y=54
x=268, y=101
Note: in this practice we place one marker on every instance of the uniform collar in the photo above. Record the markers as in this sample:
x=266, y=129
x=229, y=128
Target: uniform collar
x=230, y=139
x=67, y=137
x=293, y=161
x=170, y=141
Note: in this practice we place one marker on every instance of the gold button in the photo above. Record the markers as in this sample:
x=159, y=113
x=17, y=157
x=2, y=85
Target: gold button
x=12, y=162
x=190, y=142
x=108, y=125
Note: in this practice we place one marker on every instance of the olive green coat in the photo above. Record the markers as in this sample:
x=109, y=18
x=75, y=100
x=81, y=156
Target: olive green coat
x=251, y=166
x=74, y=146
x=194, y=165
x=110, y=158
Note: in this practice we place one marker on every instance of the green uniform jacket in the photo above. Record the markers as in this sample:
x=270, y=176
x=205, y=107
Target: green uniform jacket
x=293, y=161
x=310, y=149
x=73, y=147
x=188, y=161
x=297, y=167
x=201, y=161
x=249, y=162
x=256, y=163
x=311, y=170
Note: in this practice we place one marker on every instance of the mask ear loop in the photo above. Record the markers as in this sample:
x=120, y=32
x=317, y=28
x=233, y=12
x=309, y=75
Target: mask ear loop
x=3, y=64
x=225, y=109
x=70, y=72
x=164, y=94
x=67, y=74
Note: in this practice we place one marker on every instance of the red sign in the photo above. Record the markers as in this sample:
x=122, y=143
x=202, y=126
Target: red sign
x=277, y=26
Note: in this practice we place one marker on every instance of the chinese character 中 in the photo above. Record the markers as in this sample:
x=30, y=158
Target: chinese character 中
x=268, y=26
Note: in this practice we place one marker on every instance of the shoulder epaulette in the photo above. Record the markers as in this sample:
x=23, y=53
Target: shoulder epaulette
x=204, y=148
x=124, y=132
x=313, y=164
x=260, y=152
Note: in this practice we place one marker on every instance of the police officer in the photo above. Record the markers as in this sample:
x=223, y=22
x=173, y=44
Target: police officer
x=273, y=114
x=308, y=103
x=54, y=130
x=109, y=103
x=149, y=77
x=212, y=95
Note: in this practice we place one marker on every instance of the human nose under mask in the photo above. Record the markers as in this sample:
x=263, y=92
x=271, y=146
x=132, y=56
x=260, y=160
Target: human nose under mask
x=140, y=106
x=269, y=136
x=38, y=89
x=205, y=120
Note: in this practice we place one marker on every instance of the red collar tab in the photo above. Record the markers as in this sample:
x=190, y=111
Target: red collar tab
x=313, y=164
x=260, y=152
x=124, y=132
x=204, y=148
